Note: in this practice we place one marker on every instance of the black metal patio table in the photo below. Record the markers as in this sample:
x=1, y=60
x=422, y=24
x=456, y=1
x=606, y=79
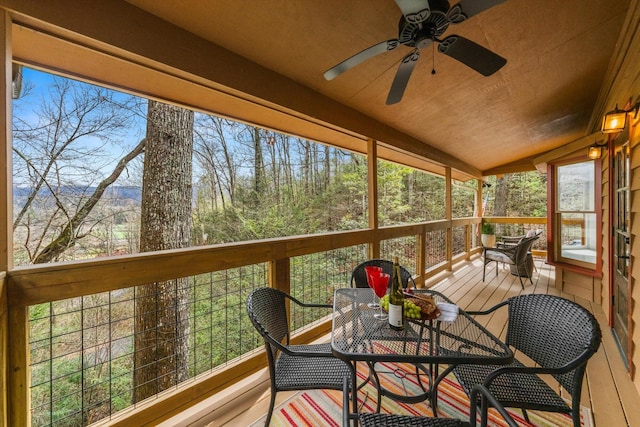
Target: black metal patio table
x=358, y=336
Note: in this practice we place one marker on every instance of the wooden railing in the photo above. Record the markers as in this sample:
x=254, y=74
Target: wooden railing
x=28, y=286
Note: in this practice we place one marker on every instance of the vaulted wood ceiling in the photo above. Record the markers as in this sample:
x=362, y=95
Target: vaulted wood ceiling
x=557, y=55
x=549, y=93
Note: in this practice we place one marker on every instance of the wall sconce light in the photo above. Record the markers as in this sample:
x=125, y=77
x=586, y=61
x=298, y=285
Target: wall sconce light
x=595, y=151
x=616, y=120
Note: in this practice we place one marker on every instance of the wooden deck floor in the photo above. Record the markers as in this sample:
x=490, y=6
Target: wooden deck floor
x=607, y=390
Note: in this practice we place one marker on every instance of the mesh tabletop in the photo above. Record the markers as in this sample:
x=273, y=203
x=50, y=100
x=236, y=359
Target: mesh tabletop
x=358, y=336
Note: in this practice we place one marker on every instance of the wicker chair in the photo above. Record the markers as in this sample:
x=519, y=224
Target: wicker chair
x=359, y=276
x=479, y=394
x=558, y=335
x=292, y=367
x=515, y=255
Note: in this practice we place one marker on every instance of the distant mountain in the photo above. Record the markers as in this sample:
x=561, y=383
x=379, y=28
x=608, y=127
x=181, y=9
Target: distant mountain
x=115, y=193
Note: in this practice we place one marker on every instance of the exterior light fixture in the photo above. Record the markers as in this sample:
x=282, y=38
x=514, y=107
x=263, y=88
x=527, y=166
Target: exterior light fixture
x=616, y=120
x=595, y=151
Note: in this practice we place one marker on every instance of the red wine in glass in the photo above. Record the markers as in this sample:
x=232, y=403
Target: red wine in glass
x=380, y=288
x=372, y=273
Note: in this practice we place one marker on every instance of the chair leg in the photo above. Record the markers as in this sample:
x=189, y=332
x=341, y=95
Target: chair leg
x=271, y=406
x=484, y=268
x=484, y=409
x=519, y=276
x=575, y=415
x=529, y=273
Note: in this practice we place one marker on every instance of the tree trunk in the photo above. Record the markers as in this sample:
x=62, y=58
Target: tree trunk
x=502, y=194
x=258, y=166
x=162, y=323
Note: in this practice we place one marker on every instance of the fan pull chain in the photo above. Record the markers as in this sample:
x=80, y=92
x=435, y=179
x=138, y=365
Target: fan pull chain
x=433, y=58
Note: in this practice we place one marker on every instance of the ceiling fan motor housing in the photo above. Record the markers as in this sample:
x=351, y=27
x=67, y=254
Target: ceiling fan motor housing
x=421, y=34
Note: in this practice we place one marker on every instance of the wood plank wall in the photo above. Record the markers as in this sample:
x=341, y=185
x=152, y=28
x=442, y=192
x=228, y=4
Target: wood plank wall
x=623, y=88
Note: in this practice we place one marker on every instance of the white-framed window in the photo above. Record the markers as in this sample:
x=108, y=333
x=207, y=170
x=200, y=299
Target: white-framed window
x=576, y=208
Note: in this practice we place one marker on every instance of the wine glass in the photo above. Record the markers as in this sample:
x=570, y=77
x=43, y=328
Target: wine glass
x=372, y=272
x=381, y=284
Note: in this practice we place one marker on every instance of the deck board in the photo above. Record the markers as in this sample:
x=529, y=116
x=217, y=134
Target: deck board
x=607, y=389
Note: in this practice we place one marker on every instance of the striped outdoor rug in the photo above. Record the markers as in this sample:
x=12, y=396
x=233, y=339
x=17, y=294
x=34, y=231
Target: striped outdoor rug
x=324, y=407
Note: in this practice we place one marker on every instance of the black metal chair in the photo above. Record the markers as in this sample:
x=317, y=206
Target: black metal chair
x=515, y=255
x=558, y=335
x=479, y=394
x=359, y=275
x=292, y=367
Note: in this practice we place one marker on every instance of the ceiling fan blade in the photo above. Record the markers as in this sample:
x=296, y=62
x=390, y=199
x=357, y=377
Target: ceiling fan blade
x=360, y=57
x=465, y=9
x=472, y=54
x=402, y=77
x=414, y=11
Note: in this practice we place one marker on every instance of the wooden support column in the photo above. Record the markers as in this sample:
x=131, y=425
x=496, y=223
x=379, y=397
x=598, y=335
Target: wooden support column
x=449, y=215
x=372, y=174
x=479, y=212
x=14, y=379
x=6, y=178
x=473, y=231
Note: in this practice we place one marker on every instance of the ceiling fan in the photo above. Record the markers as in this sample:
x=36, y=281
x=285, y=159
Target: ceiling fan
x=421, y=24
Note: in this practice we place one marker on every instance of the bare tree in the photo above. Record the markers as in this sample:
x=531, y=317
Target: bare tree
x=72, y=230
x=215, y=156
x=61, y=151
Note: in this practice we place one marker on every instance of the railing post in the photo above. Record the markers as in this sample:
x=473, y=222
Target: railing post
x=18, y=368
x=421, y=257
x=467, y=241
x=279, y=276
x=279, y=272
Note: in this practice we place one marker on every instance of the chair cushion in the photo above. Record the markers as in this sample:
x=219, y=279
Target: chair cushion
x=497, y=256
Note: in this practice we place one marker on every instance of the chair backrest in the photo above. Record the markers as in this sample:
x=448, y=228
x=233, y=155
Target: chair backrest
x=554, y=332
x=523, y=248
x=268, y=313
x=359, y=276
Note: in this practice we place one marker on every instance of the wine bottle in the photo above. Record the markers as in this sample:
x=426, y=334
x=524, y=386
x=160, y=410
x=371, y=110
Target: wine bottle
x=396, y=299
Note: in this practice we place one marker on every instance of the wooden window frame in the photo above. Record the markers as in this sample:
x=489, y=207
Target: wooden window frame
x=553, y=237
